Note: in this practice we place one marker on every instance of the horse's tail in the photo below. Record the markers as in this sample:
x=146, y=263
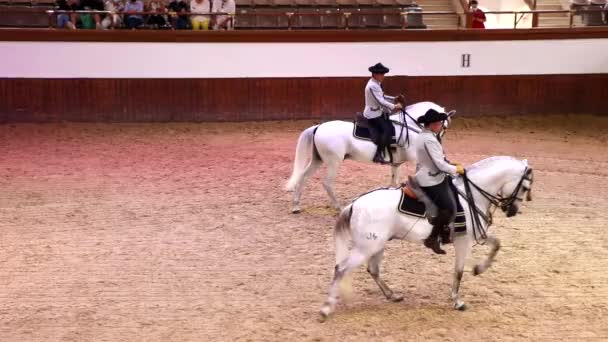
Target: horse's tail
x=342, y=233
x=304, y=150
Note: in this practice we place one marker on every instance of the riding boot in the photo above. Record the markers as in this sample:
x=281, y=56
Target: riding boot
x=432, y=241
x=379, y=157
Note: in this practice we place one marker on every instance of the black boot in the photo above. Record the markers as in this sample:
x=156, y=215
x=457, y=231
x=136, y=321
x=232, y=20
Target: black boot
x=379, y=157
x=432, y=241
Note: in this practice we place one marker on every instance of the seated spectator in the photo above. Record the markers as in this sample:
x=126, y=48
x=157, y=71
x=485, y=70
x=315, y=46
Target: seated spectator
x=157, y=20
x=200, y=22
x=224, y=22
x=88, y=21
x=63, y=19
x=578, y=3
x=113, y=20
x=133, y=20
x=181, y=22
x=479, y=18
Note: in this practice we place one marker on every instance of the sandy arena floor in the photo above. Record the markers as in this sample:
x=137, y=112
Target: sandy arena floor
x=181, y=232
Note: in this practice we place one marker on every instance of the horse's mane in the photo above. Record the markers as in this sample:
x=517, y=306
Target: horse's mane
x=484, y=162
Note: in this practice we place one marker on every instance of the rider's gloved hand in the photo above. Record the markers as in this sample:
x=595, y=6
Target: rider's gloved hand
x=459, y=168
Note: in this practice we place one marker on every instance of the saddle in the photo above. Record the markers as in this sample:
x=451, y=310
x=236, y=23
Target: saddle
x=415, y=202
x=361, y=121
x=362, y=130
x=412, y=191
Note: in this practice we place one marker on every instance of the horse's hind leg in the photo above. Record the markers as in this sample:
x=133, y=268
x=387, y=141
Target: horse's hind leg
x=354, y=260
x=328, y=183
x=373, y=268
x=297, y=194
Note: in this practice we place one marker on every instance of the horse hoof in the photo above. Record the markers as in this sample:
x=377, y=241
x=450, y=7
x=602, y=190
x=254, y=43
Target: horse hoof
x=296, y=211
x=396, y=298
x=324, y=314
x=476, y=270
x=460, y=306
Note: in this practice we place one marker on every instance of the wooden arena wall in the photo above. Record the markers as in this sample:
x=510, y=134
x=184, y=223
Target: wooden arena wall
x=151, y=99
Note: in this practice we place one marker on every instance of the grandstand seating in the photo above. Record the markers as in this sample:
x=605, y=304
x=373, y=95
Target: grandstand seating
x=326, y=14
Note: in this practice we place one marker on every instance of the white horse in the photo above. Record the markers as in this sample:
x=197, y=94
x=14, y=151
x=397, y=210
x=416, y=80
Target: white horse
x=332, y=142
x=372, y=219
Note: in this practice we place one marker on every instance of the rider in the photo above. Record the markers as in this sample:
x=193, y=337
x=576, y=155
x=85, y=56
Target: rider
x=431, y=170
x=377, y=105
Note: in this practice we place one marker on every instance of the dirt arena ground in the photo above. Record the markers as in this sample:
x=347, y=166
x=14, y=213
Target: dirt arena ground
x=181, y=232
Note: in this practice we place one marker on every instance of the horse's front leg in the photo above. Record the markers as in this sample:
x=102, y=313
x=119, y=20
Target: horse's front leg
x=395, y=175
x=461, y=247
x=494, y=248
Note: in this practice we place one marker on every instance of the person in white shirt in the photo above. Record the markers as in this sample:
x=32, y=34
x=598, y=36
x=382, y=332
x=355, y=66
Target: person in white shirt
x=224, y=21
x=200, y=22
x=113, y=20
x=377, y=108
x=431, y=169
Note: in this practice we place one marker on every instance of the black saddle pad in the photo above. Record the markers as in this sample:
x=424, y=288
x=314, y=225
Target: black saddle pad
x=412, y=207
x=363, y=133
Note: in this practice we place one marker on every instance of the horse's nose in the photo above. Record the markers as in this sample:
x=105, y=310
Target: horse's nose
x=512, y=211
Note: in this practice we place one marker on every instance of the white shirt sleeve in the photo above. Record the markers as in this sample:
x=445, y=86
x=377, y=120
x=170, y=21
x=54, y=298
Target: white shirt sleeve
x=435, y=151
x=379, y=96
x=231, y=7
x=390, y=98
x=216, y=6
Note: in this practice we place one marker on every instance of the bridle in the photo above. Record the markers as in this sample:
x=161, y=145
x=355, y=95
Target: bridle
x=504, y=203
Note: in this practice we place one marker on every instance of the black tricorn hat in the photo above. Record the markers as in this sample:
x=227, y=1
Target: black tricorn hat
x=378, y=69
x=432, y=116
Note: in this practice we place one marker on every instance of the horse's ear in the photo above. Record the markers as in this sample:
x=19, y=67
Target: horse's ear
x=451, y=113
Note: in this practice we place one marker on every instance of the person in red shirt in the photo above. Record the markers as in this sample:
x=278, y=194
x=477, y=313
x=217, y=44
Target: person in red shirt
x=478, y=16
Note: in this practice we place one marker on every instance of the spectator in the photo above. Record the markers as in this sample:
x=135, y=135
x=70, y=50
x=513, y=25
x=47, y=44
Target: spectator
x=606, y=13
x=157, y=20
x=224, y=22
x=200, y=22
x=88, y=21
x=63, y=19
x=134, y=21
x=179, y=6
x=577, y=5
x=479, y=18
x=113, y=20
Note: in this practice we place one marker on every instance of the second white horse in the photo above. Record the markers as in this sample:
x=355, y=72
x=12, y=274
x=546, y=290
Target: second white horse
x=332, y=142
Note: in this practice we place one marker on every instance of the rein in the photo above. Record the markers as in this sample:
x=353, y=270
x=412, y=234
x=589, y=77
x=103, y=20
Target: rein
x=405, y=127
x=477, y=215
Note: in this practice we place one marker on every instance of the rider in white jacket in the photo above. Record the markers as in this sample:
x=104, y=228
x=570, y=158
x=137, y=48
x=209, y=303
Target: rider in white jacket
x=431, y=169
x=377, y=105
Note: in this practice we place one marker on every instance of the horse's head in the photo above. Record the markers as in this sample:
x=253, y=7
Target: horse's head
x=503, y=181
x=518, y=188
